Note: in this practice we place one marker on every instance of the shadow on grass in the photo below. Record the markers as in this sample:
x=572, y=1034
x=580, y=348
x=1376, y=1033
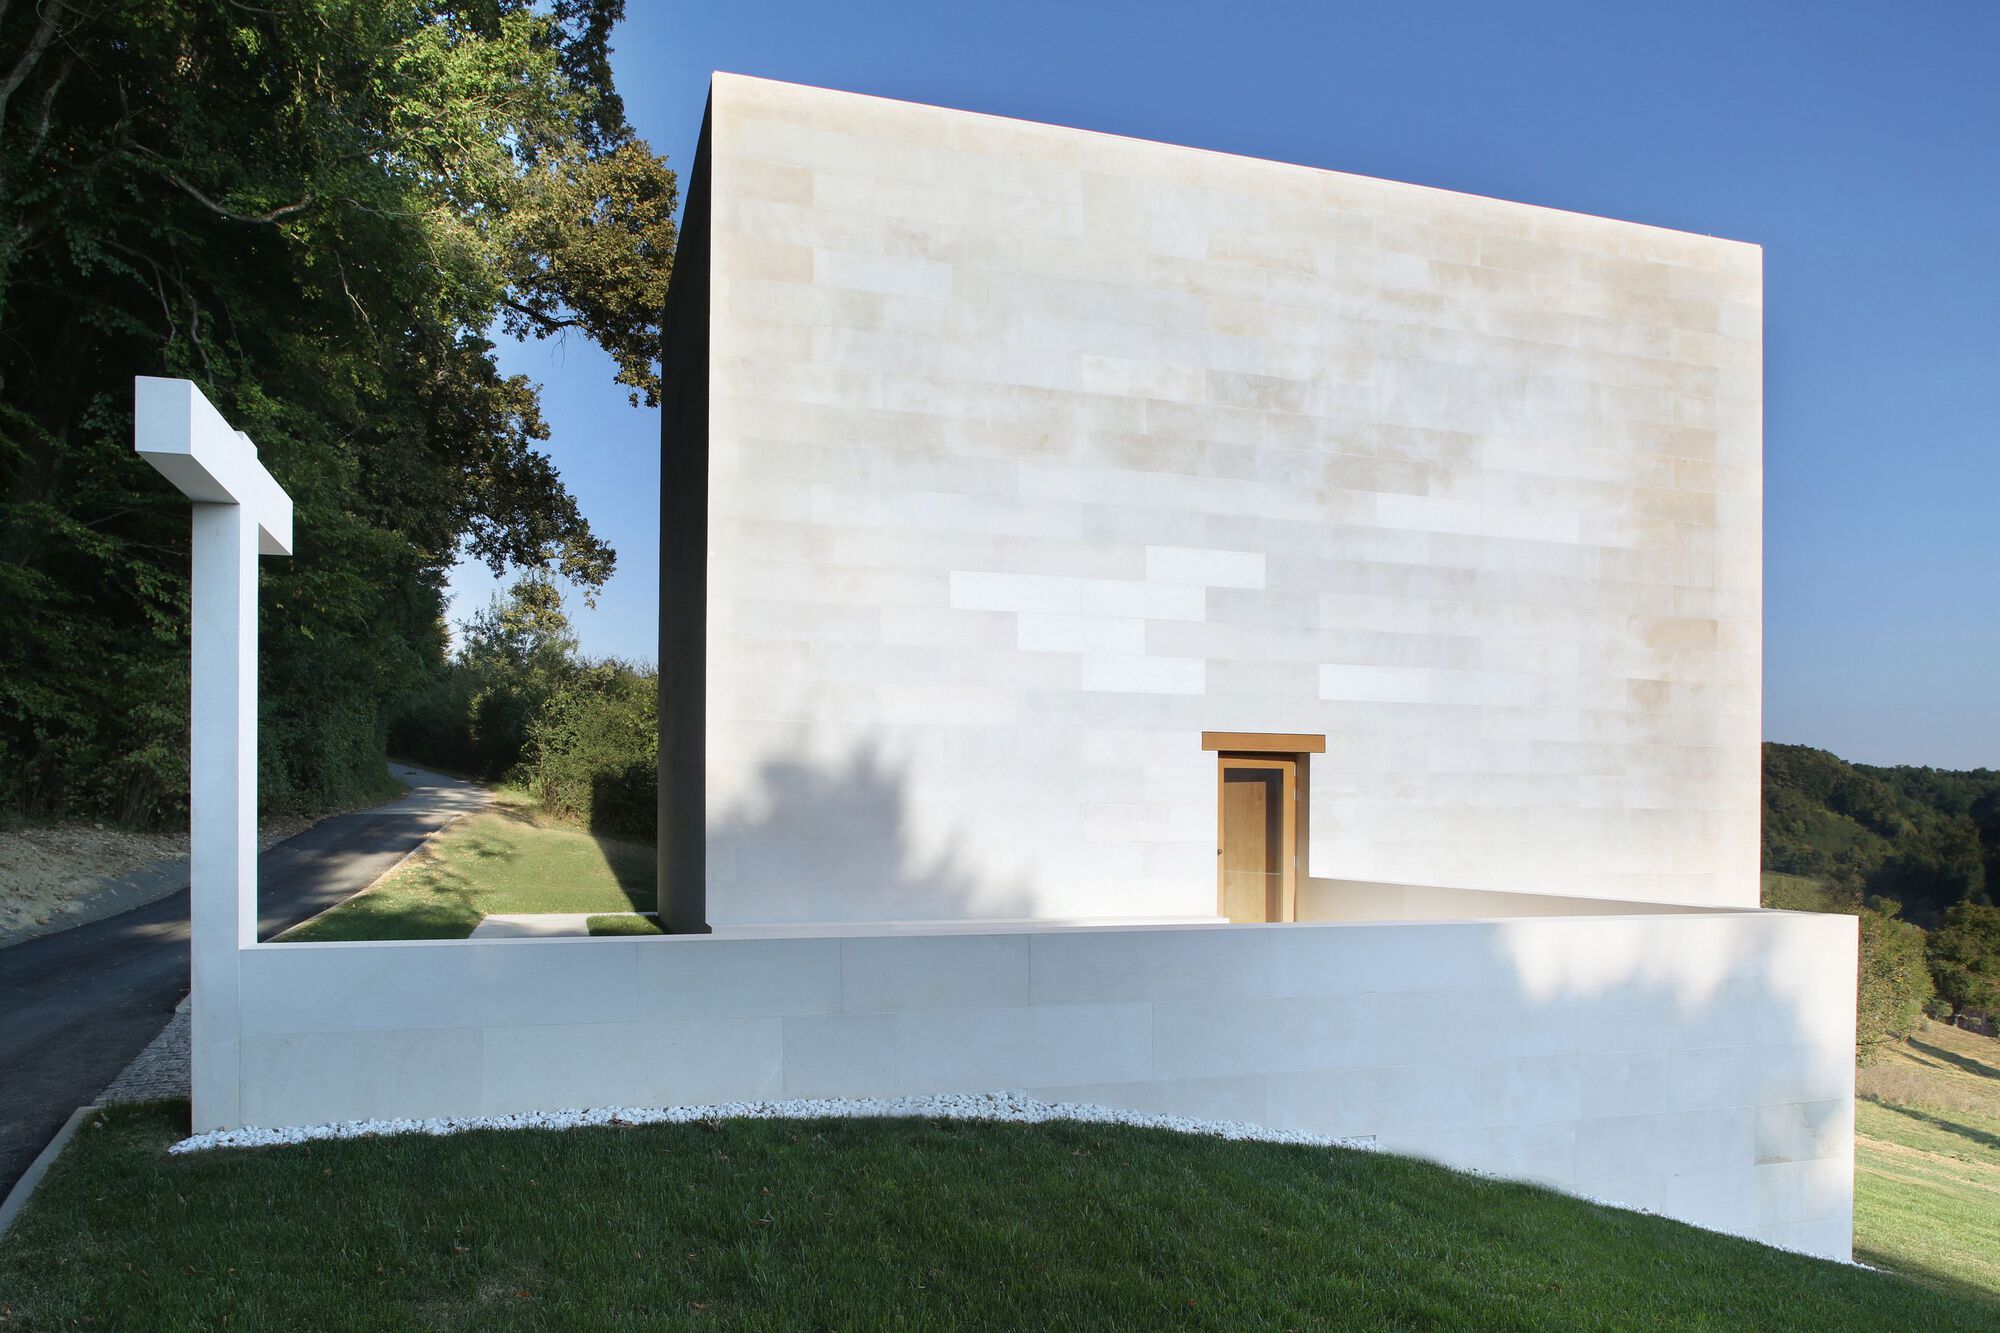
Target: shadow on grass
x=1954, y=1059
x=433, y=902
x=507, y=859
x=1937, y=1279
x=632, y=864
x=1978, y=1136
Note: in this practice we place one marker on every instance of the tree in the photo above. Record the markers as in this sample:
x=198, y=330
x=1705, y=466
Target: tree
x=1894, y=984
x=1965, y=957
x=517, y=654
x=593, y=751
x=1926, y=837
x=1985, y=814
x=1938, y=865
x=316, y=210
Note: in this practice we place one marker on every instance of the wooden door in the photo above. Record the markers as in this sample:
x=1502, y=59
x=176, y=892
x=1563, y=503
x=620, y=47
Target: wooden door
x=1257, y=843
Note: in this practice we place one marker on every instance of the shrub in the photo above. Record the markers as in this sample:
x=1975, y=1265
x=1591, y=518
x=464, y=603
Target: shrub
x=592, y=752
x=1894, y=983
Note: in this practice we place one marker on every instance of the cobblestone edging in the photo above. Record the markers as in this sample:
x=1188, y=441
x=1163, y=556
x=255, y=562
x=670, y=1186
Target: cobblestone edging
x=161, y=1070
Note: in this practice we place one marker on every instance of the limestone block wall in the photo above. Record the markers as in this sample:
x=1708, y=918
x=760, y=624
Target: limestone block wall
x=1697, y=1064
x=1035, y=452
x=1363, y=900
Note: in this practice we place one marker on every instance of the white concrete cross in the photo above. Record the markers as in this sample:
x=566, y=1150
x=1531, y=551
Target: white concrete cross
x=239, y=514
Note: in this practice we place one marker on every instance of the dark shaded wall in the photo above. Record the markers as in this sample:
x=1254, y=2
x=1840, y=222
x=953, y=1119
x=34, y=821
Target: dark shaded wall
x=684, y=566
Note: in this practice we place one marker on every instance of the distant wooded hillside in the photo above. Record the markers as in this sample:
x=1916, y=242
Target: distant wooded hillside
x=1925, y=837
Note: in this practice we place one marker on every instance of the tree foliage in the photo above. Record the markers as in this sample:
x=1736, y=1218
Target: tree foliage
x=512, y=657
x=317, y=210
x=518, y=702
x=517, y=654
x=593, y=751
x=1929, y=838
x=1894, y=982
x=1965, y=955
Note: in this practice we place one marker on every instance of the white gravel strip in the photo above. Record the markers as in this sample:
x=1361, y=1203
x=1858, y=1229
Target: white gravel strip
x=1008, y=1107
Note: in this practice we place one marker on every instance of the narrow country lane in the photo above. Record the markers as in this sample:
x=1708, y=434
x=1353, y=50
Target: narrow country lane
x=78, y=1005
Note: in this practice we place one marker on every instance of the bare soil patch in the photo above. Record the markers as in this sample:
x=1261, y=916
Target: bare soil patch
x=52, y=870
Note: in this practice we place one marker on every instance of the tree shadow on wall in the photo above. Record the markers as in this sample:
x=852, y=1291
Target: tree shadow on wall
x=812, y=834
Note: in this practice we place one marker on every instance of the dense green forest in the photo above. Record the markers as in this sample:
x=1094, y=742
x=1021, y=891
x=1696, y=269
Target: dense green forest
x=1926, y=838
x=320, y=211
x=1915, y=854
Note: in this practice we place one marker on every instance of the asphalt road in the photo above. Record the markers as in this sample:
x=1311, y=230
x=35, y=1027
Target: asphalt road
x=78, y=1005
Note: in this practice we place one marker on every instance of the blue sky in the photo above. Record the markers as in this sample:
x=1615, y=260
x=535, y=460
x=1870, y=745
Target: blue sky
x=1859, y=144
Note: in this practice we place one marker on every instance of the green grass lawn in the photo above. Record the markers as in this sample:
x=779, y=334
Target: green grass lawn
x=856, y=1225
x=506, y=859
x=625, y=925
x=1926, y=1144
x=1927, y=1161
x=872, y=1224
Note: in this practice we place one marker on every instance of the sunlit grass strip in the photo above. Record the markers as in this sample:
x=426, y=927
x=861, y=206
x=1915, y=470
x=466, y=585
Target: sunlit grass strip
x=625, y=923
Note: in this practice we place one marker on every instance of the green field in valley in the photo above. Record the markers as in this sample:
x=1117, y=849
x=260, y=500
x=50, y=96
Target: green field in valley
x=1927, y=1161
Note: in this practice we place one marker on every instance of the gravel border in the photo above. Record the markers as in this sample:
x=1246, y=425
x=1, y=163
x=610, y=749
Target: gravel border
x=1006, y=1107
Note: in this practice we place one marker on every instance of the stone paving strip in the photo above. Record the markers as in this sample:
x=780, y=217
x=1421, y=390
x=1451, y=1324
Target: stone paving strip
x=161, y=1070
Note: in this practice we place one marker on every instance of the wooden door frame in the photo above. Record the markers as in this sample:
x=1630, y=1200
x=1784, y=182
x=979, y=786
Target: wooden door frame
x=1294, y=819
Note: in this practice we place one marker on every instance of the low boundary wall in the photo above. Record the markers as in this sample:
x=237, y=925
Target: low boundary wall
x=1370, y=900
x=1698, y=1064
